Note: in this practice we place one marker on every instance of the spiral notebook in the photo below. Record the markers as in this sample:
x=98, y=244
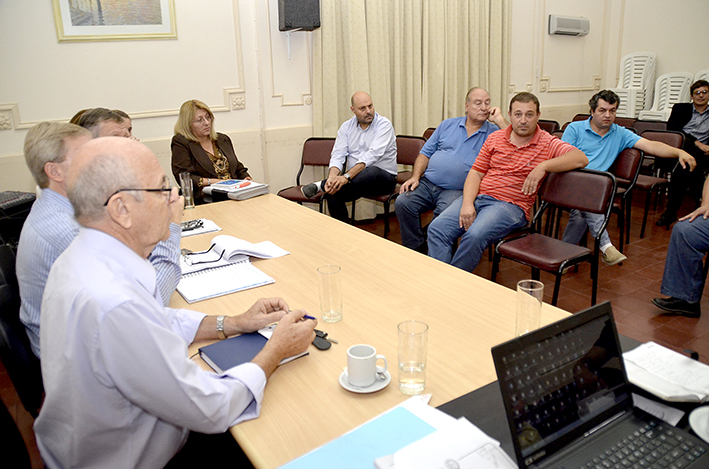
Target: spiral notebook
x=218, y=281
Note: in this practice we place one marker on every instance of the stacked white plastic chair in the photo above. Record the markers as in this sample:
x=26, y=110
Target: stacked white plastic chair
x=635, y=86
x=670, y=88
x=702, y=75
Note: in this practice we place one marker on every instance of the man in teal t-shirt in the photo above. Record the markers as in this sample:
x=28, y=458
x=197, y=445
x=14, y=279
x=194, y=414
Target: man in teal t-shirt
x=602, y=141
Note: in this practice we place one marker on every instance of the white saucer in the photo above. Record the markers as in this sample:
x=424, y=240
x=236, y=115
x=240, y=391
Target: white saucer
x=699, y=421
x=378, y=385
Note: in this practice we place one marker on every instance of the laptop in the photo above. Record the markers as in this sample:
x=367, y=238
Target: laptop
x=569, y=404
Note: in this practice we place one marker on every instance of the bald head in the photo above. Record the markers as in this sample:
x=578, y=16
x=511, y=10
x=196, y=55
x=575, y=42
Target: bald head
x=101, y=167
x=363, y=108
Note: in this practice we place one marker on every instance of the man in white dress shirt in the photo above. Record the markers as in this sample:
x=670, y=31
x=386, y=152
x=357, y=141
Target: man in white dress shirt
x=120, y=388
x=363, y=160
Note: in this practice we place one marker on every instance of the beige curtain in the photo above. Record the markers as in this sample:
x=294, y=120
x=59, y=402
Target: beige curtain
x=417, y=59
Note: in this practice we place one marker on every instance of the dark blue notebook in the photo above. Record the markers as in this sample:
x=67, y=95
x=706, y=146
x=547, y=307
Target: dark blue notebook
x=237, y=350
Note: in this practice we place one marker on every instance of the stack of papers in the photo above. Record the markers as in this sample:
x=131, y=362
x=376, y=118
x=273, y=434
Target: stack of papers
x=412, y=435
x=226, y=250
x=667, y=374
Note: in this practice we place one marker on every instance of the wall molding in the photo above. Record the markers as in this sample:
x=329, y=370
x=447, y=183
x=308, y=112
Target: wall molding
x=234, y=100
x=306, y=98
x=544, y=85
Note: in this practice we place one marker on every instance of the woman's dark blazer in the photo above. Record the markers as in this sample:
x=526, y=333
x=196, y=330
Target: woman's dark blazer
x=188, y=155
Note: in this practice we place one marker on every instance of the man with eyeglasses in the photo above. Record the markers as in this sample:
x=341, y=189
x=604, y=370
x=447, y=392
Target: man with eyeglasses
x=692, y=119
x=121, y=390
x=51, y=226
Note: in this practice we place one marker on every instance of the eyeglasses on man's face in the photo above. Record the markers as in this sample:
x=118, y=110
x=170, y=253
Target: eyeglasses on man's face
x=165, y=189
x=700, y=92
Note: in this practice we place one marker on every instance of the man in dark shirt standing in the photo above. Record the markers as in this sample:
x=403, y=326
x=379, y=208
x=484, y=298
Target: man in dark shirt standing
x=692, y=119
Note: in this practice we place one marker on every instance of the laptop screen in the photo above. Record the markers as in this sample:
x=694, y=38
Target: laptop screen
x=561, y=381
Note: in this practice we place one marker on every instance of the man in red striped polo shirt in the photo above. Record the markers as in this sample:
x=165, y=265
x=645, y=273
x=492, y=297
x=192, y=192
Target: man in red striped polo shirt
x=500, y=188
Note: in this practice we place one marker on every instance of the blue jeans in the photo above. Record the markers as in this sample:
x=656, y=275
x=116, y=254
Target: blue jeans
x=579, y=221
x=683, y=267
x=410, y=205
x=494, y=219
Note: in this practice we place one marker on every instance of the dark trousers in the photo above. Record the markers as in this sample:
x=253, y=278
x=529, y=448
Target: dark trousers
x=370, y=181
x=683, y=179
x=202, y=450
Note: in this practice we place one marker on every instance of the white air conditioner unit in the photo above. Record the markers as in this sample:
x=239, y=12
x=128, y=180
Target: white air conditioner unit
x=569, y=25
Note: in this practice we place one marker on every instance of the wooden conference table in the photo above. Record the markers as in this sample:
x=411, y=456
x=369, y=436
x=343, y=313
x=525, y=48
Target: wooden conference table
x=383, y=284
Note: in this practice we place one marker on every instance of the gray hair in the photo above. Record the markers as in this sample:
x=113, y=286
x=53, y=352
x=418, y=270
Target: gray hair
x=92, y=119
x=99, y=179
x=46, y=143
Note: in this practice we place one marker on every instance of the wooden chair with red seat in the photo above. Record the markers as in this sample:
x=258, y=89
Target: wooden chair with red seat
x=408, y=148
x=316, y=152
x=626, y=169
x=428, y=132
x=655, y=184
x=582, y=189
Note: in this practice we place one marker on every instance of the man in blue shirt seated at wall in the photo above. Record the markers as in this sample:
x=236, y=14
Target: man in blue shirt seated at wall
x=602, y=141
x=363, y=160
x=444, y=162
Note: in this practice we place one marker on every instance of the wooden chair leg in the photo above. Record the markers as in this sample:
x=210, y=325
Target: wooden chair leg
x=648, y=197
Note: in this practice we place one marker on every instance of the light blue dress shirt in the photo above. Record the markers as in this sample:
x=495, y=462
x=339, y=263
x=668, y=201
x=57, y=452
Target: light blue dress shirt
x=47, y=232
x=373, y=146
x=120, y=388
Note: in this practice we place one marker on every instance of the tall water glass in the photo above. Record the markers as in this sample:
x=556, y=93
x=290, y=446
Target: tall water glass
x=530, y=294
x=330, y=284
x=413, y=345
x=187, y=190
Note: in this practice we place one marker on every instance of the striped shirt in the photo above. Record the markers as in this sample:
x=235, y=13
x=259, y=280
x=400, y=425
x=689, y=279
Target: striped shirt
x=506, y=167
x=49, y=229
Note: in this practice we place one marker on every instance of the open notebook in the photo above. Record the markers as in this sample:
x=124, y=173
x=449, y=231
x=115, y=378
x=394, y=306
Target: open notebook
x=217, y=281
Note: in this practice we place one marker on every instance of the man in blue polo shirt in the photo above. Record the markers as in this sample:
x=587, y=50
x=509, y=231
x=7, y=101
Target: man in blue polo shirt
x=444, y=162
x=602, y=141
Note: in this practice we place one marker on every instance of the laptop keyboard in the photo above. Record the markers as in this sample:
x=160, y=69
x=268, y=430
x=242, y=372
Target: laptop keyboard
x=655, y=446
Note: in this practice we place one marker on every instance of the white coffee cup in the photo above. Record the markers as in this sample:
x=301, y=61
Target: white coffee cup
x=362, y=366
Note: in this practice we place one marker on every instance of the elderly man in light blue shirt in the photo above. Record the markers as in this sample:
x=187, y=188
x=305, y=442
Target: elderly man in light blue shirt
x=444, y=162
x=121, y=390
x=51, y=226
x=363, y=161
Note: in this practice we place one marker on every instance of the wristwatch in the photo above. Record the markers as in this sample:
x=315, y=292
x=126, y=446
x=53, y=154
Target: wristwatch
x=220, y=327
x=347, y=175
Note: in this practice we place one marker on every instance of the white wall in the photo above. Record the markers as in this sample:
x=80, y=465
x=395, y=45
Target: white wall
x=565, y=71
x=230, y=54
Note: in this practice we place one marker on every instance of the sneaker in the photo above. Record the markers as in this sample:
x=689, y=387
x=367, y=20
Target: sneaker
x=310, y=190
x=677, y=306
x=666, y=219
x=612, y=256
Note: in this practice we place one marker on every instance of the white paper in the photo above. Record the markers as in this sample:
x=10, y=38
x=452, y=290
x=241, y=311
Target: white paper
x=666, y=373
x=208, y=226
x=656, y=409
x=458, y=444
x=234, y=250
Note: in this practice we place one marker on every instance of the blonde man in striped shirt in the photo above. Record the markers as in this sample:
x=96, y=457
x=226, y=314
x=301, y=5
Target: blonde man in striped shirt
x=500, y=188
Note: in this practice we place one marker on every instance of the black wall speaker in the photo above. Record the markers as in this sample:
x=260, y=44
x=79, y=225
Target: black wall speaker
x=298, y=14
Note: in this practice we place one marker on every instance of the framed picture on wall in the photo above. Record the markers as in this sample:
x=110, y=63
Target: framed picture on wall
x=114, y=20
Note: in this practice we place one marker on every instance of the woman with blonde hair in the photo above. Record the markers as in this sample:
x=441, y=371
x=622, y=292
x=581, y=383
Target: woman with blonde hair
x=199, y=150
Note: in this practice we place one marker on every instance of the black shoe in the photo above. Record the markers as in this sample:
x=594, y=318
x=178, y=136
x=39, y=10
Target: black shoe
x=666, y=219
x=675, y=305
x=310, y=190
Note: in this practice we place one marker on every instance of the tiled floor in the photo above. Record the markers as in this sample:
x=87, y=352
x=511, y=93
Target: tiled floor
x=629, y=287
